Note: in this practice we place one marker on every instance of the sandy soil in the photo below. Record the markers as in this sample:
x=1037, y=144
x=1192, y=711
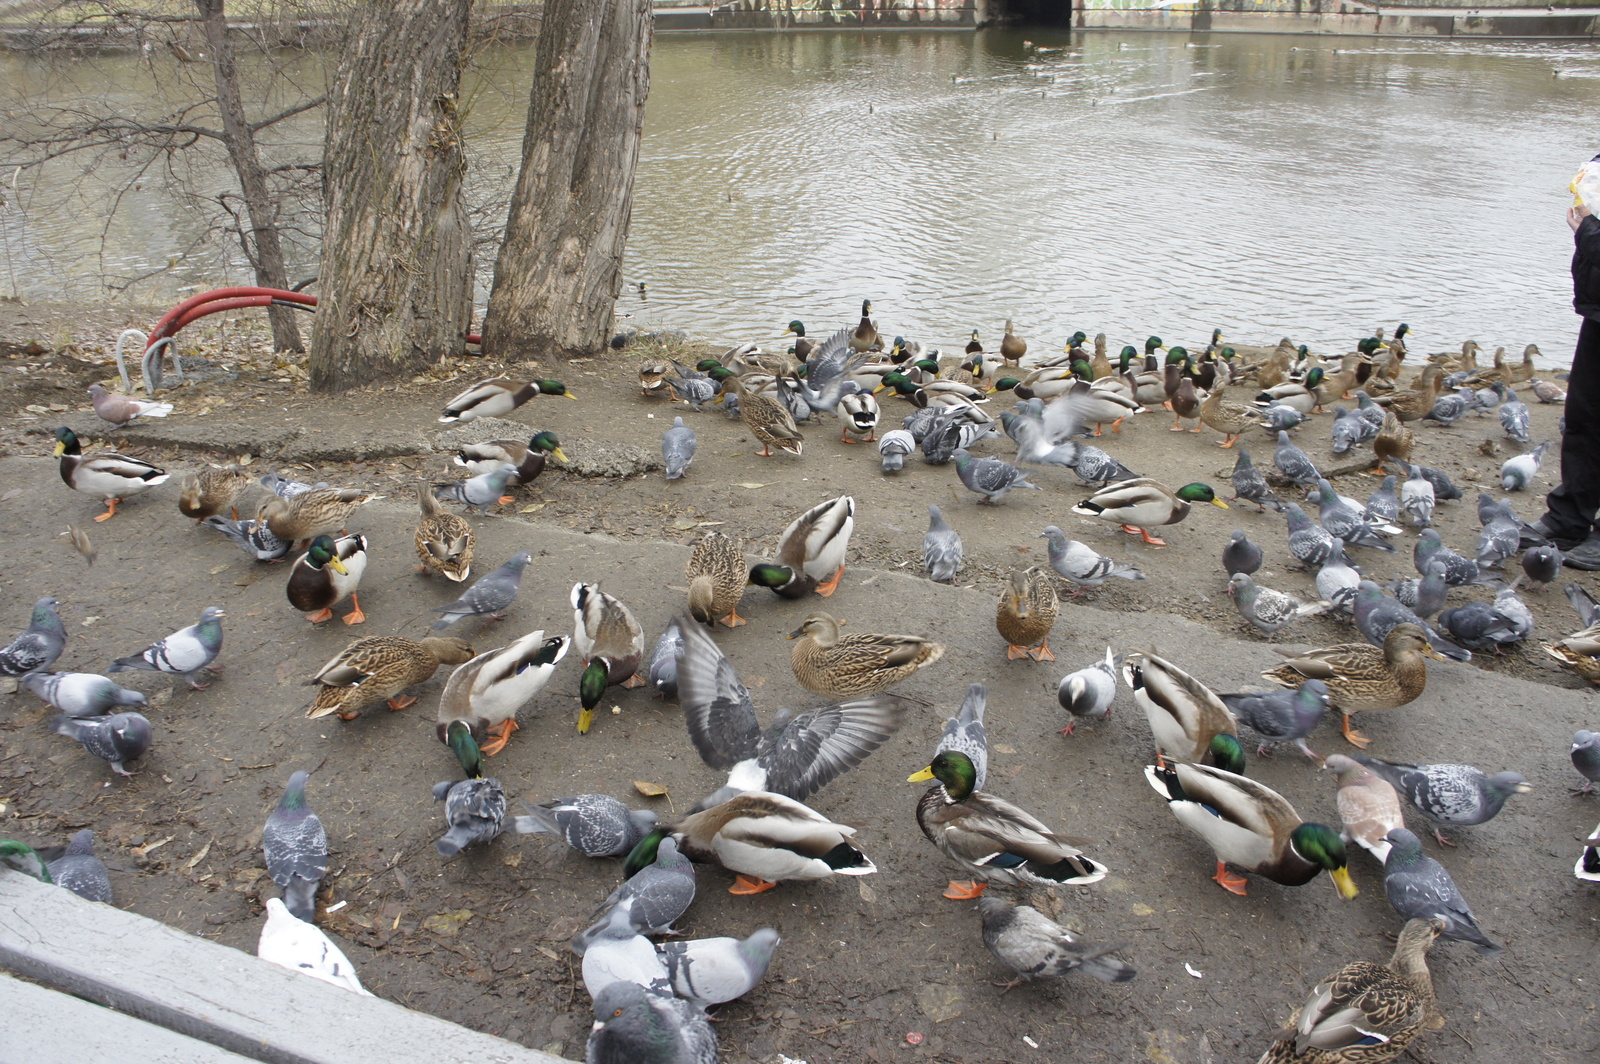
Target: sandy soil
x=481, y=939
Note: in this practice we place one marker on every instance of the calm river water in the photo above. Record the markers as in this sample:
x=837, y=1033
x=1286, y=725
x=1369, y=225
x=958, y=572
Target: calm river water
x=1121, y=182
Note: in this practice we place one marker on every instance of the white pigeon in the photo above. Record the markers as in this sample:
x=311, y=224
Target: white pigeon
x=303, y=948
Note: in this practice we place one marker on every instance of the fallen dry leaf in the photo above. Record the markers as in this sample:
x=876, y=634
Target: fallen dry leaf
x=445, y=925
x=200, y=856
x=649, y=790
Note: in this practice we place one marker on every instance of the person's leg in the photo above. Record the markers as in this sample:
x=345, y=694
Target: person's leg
x=1573, y=504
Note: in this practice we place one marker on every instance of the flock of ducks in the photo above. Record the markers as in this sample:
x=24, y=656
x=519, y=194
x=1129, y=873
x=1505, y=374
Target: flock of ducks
x=649, y=999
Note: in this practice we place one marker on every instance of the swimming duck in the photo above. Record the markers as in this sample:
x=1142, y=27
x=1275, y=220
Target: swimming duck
x=497, y=397
x=1250, y=826
x=370, y=671
x=992, y=839
x=1027, y=612
x=444, y=540
x=111, y=476
x=529, y=458
x=318, y=512
x=1012, y=346
x=1362, y=677
x=1139, y=503
x=487, y=691
x=765, y=839
x=1185, y=715
x=769, y=419
x=327, y=574
x=717, y=579
x=862, y=663
x=609, y=641
x=212, y=490
x=811, y=551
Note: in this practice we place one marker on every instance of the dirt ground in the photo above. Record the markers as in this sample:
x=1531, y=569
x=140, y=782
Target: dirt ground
x=864, y=962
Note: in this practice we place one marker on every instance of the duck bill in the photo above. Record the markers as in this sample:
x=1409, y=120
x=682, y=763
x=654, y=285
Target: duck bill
x=338, y=566
x=60, y=450
x=1429, y=652
x=558, y=454
x=1346, y=886
x=1219, y=502
x=796, y=634
x=569, y=395
x=918, y=777
x=585, y=719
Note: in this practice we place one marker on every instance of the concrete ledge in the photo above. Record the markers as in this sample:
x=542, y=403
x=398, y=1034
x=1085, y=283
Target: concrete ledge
x=234, y=1002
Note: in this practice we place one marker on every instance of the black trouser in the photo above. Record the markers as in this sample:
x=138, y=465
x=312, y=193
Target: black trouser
x=1573, y=504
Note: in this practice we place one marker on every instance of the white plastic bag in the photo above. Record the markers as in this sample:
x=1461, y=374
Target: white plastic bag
x=1585, y=187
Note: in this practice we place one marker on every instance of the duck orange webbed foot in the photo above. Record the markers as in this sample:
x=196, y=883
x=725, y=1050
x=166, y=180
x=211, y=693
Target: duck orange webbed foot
x=965, y=890
x=750, y=885
x=1234, y=884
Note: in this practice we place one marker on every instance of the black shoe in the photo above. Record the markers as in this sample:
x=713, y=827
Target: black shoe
x=1541, y=528
x=1585, y=555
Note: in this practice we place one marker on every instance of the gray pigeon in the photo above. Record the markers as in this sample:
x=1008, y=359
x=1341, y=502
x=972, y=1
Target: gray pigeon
x=1586, y=759
x=284, y=488
x=618, y=953
x=1090, y=691
x=1583, y=602
x=1369, y=412
x=1418, y=887
x=252, y=536
x=1081, y=564
x=1376, y=613
x=119, y=738
x=81, y=694
x=1511, y=606
x=1457, y=569
x=39, y=645
x=964, y=733
x=941, y=549
x=1450, y=406
x=117, y=409
x=634, y=1026
x=1518, y=471
x=491, y=594
x=1250, y=485
x=1475, y=624
x=663, y=674
x=1417, y=498
x=1343, y=521
x=1265, y=608
x=596, y=825
x=1281, y=417
x=658, y=893
x=696, y=391
x=186, y=652
x=1293, y=463
x=677, y=448
x=989, y=477
x=1240, y=555
x=1449, y=795
x=1513, y=414
x=920, y=422
x=1542, y=562
x=1347, y=429
x=1282, y=716
x=1337, y=580
x=798, y=754
x=1424, y=595
x=1308, y=541
x=479, y=492
x=1034, y=946
x=296, y=849
x=1385, y=502
x=1501, y=535
x=80, y=871
x=893, y=446
x=474, y=808
x=1056, y=446
x=710, y=971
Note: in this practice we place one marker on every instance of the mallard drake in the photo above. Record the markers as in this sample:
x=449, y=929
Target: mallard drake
x=487, y=691
x=1139, y=503
x=475, y=808
x=717, y=579
x=1012, y=346
x=212, y=490
x=1048, y=387
x=1394, y=441
x=1185, y=715
x=858, y=415
x=1027, y=612
x=327, y=574
x=992, y=839
x=811, y=551
x=529, y=458
x=653, y=377
x=1301, y=395
x=1099, y=406
x=370, y=671
x=765, y=839
x=1362, y=677
x=497, y=397
x=1230, y=419
x=444, y=540
x=802, y=346
x=1416, y=402
x=1184, y=400
x=865, y=338
x=318, y=512
x=1250, y=826
x=769, y=419
x=111, y=476
x=609, y=641
x=863, y=663
x=1366, y=1013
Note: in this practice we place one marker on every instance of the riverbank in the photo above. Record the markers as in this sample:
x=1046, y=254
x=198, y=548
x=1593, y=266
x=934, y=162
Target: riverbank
x=865, y=964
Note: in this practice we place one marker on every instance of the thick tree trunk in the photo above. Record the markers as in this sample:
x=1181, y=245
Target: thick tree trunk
x=560, y=265
x=261, y=244
x=395, y=290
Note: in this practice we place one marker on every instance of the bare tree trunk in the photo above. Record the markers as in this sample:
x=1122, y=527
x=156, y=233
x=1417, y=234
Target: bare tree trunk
x=395, y=284
x=261, y=241
x=560, y=265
